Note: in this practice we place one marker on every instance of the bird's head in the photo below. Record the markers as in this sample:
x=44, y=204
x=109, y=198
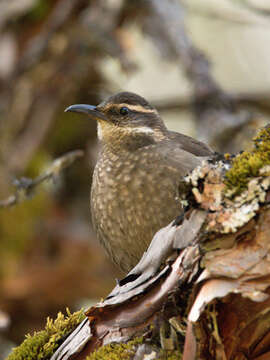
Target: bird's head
x=125, y=119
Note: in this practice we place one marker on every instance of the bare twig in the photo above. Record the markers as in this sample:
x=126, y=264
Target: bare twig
x=26, y=186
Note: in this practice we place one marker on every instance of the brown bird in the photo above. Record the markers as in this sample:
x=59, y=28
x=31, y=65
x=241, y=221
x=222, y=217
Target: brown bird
x=136, y=182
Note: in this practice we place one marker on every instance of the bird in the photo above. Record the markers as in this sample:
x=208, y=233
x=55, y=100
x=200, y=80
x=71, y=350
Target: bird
x=136, y=186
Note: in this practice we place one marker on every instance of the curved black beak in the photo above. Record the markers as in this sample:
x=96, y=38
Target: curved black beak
x=90, y=110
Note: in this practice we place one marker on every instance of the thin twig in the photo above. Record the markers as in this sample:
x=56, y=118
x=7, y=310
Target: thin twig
x=26, y=186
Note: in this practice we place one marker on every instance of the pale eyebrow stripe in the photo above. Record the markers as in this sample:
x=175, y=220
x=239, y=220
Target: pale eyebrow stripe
x=138, y=108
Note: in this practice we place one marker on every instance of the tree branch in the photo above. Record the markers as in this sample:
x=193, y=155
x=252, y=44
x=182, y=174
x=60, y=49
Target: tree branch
x=25, y=186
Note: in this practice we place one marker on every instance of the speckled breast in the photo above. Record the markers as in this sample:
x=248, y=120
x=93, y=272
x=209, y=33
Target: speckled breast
x=131, y=199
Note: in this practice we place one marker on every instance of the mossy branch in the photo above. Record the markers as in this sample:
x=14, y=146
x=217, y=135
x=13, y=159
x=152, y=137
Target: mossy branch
x=42, y=344
x=247, y=165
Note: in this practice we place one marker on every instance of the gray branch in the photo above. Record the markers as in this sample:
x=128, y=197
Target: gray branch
x=26, y=186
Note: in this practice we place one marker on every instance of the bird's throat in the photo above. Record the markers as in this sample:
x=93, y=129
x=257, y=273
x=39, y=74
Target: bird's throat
x=126, y=138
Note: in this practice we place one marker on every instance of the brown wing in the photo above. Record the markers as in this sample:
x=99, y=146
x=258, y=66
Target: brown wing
x=182, y=152
x=190, y=145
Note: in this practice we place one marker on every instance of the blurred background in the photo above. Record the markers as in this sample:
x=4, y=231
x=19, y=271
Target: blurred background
x=204, y=64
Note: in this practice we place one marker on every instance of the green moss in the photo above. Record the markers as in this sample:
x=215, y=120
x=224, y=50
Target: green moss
x=126, y=351
x=43, y=343
x=123, y=351
x=248, y=164
x=170, y=355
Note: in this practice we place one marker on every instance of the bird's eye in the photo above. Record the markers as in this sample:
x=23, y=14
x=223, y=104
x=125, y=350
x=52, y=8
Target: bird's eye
x=124, y=110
